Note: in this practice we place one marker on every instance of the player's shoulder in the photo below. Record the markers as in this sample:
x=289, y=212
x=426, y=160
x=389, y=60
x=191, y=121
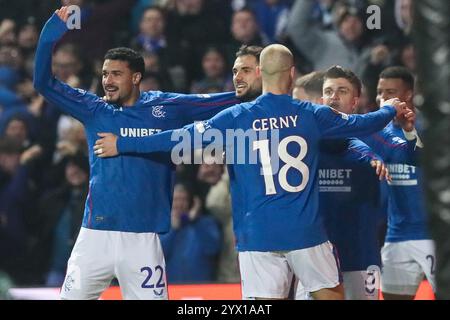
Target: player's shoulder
x=148, y=96
x=199, y=98
x=89, y=97
x=309, y=107
x=240, y=108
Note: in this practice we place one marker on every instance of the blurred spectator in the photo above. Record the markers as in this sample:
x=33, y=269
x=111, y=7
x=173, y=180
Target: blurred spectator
x=71, y=138
x=272, y=17
x=66, y=63
x=17, y=129
x=167, y=76
x=151, y=36
x=408, y=57
x=215, y=73
x=137, y=12
x=194, y=25
x=11, y=63
x=151, y=81
x=404, y=15
x=323, y=48
x=218, y=203
x=208, y=174
x=100, y=23
x=27, y=38
x=7, y=32
x=244, y=30
x=58, y=219
x=192, y=246
x=15, y=205
x=57, y=208
x=160, y=55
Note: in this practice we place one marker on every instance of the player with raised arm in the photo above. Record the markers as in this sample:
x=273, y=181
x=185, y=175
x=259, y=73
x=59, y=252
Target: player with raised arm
x=129, y=197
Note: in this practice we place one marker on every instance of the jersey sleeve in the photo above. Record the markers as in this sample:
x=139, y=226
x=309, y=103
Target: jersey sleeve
x=77, y=102
x=393, y=148
x=192, y=135
x=358, y=151
x=196, y=107
x=334, y=124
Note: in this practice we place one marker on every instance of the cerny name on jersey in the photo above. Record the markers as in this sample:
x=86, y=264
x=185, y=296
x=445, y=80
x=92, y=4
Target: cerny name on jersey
x=275, y=123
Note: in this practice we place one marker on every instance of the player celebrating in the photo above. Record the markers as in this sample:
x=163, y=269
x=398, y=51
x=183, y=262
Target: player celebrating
x=408, y=253
x=129, y=197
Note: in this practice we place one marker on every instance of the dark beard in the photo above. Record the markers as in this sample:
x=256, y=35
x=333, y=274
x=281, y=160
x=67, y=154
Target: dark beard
x=249, y=96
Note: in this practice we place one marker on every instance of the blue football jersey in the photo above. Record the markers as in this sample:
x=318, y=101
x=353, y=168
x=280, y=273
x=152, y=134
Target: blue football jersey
x=406, y=213
x=407, y=216
x=349, y=202
x=275, y=203
x=129, y=193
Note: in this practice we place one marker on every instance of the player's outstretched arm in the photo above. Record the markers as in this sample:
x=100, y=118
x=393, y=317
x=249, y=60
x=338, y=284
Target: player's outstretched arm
x=334, y=124
x=190, y=137
x=358, y=151
x=109, y=145
x=395, y=149
x=76, y=102
x=195, y=107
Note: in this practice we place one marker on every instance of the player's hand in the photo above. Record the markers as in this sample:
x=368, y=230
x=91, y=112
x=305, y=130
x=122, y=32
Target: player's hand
x=381, y=170
x=407, y=121
x=399, y=106
x=31, y=153
x=62, y=13
x=106, y=146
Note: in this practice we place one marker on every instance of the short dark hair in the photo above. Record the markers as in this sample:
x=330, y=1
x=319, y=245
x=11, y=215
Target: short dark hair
x=161, y=10
x=312, y=83
x=246, y=9
x=134, y=59
x=246, y=50
x=335, y=72
x=399, y=72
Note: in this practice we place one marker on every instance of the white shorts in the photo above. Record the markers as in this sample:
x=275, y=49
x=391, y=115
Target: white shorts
x=269, y=274
x=358, y=285
x=135, y=259
x=404, y=265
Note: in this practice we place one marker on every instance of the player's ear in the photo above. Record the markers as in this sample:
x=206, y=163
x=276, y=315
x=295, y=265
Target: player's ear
x=355, y=104
x=137, y=76
x=409, y=96
x=258, y=71
x=321, y=100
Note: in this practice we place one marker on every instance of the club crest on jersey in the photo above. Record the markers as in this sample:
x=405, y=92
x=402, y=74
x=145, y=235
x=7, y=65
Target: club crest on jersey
x=157, y=112
x=202, y=126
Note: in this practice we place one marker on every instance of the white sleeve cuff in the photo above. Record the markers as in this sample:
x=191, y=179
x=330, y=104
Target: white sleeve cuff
x=411, y=135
